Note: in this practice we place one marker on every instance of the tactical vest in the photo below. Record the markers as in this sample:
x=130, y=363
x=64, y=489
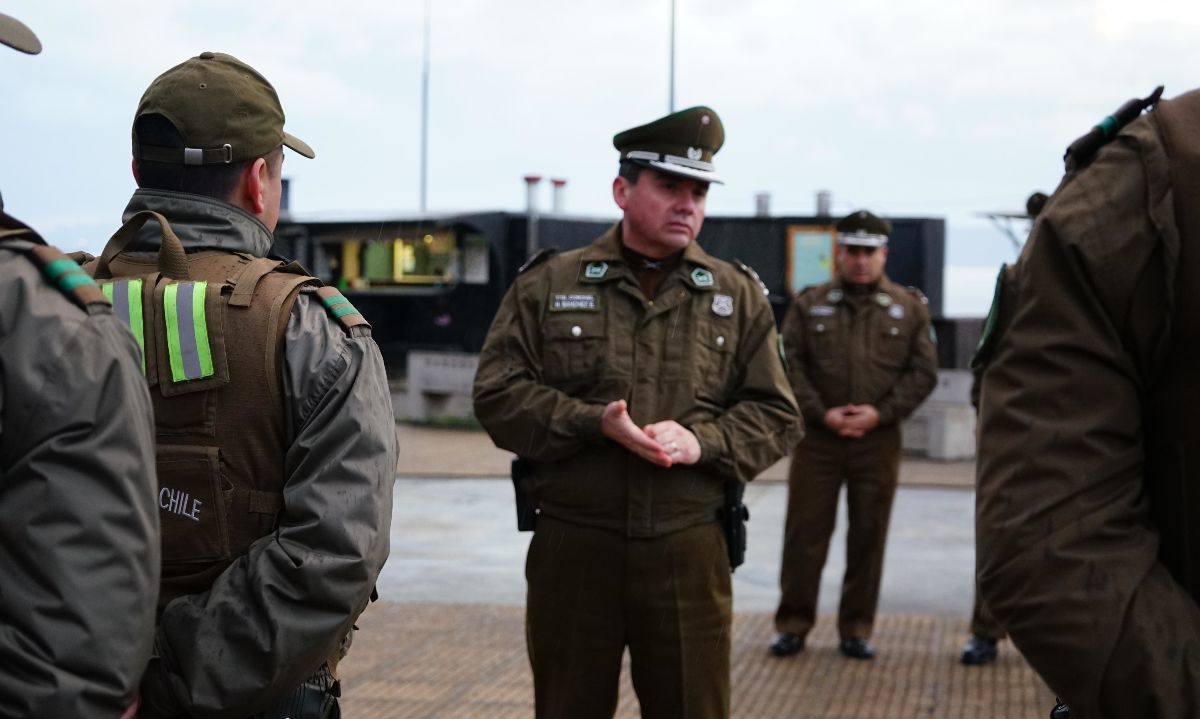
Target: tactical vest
x=1173, y=394
x=210, y=325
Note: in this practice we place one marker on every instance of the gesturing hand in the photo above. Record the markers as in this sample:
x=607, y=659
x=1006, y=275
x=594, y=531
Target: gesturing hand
x=616, y=424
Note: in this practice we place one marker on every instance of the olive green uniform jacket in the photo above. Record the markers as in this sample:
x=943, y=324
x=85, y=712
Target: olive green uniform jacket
x=274, y=615
x=1068, y=552
x=79, y=563
x=886, y=359
x=575, y=333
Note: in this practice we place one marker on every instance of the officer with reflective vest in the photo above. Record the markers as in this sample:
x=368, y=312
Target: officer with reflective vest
x=79, y=563
x=276, y=440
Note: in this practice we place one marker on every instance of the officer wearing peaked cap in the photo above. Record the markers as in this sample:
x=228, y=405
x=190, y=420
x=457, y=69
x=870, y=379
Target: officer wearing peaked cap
x=77, y=488
x=860, y=358
x=639, y=376
x=270, y=398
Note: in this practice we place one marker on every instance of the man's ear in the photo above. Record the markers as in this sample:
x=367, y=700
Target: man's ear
x=620, y=190
x=254, y=181
x=133, y=166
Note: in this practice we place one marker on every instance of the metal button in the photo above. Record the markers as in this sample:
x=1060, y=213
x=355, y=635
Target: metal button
x=576, y=331
x=820, y=328
x=895, y=331
x=720, y=341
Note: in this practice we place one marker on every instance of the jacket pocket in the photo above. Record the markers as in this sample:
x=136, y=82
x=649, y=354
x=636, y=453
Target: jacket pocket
x=193, y=504
x=573, y=349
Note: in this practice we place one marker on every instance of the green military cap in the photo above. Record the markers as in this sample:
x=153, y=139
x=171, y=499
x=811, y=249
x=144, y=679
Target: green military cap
x=863, y=229
x=682, y=143
x=225, y=110
x=16, y=35
x=1035, y=203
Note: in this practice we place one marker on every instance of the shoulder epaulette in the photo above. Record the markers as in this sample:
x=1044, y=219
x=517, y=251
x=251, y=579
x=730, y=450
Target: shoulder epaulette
x=340, y=308
x=753, y=275
x=918, y=294
x=1081, y=152
x=65, y=274
x=537, y=258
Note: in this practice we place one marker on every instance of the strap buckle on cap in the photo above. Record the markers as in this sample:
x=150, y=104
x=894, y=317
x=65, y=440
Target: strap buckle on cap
x=196, y=156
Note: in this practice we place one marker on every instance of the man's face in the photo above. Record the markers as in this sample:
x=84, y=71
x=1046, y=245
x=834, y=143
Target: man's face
x=861, y=265
x=663, y=212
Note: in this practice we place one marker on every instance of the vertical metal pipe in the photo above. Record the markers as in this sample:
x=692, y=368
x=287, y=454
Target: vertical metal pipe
x=425, y=111
x=557, y=204
x=531, y=214
x=671, y=96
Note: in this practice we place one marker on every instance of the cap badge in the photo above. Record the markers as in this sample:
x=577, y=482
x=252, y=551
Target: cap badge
x=884, y=299
x=722, y=305
x=595, y=270
x=695, y=153
x=702, y=277
x=896, y=311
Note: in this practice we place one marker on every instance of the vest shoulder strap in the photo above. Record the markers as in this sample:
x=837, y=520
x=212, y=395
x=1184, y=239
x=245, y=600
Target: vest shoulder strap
x=340, y=308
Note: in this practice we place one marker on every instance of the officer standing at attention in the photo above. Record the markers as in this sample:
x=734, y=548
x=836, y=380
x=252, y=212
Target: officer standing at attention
x=276, y=440
x=861, y=357
x=78, y=525
x=986, y=632
x=1089, y=441
x=639, y=375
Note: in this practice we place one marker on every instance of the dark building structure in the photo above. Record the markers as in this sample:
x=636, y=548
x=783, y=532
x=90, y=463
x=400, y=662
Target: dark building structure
x=434, y=282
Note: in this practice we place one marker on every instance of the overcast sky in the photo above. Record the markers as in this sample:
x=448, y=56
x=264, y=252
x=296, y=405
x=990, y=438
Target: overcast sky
x=907, y=107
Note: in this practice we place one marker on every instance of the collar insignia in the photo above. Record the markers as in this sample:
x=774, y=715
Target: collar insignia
x=884, y=299
x=702, y=277
x=595, y=270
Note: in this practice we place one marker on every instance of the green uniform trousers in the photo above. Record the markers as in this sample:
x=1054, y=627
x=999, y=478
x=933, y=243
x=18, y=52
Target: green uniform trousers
x=821, y=464
x=593, y=592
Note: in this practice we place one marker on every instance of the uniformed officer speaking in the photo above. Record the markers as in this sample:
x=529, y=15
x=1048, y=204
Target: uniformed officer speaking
x=639, y=375
x=860, y=358
x=78, y=526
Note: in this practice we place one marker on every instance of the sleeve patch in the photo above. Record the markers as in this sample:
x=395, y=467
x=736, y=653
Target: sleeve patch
x=340, y=308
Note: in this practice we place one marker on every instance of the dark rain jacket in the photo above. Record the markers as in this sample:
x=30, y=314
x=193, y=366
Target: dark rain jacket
x=575, y=333
x=1087, y=477
x=274, y=614
x=79, y=563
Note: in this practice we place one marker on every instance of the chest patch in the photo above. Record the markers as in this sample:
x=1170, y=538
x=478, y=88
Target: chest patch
x=820, y=311
x=722, y=305
x=566, y=303
x=896, y=312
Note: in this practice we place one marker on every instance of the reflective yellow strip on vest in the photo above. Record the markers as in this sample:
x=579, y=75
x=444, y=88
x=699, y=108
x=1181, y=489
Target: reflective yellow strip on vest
x=187, y=331
x=126, y=299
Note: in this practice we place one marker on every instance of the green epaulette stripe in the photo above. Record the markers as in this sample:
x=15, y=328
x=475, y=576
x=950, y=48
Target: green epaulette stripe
x=339, y=306
x=1108, y=125
x=67, y=275
x=126, y=299
x=188, y=347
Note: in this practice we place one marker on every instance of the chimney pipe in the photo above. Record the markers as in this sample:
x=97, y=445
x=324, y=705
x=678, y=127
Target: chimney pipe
x=762, y=204
x=531, y=213
x=559, y=187
x=824, y=203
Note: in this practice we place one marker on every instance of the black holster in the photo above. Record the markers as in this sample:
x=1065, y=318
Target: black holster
x=316, y=698
x=526, y=508
x=733, y=516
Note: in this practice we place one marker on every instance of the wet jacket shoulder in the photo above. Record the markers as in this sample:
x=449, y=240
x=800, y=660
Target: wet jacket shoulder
x=78, y=515
x=1067, y=553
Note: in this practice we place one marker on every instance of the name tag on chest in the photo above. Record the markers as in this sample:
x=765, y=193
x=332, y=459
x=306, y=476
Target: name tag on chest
x=564, y=303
